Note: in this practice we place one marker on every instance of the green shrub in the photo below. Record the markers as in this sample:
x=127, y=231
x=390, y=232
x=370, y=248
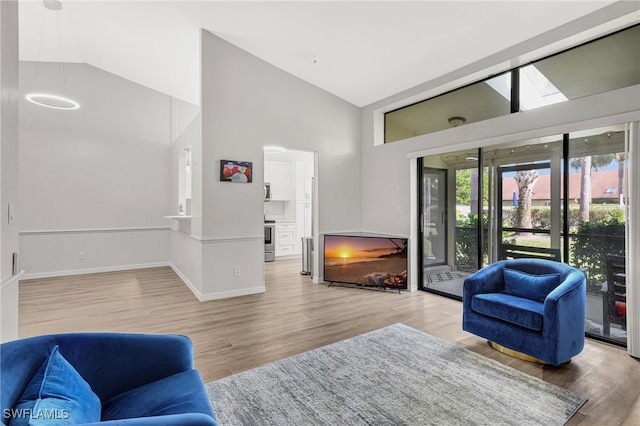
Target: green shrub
x=467, y=242
x=591, y=242
x=541, y=216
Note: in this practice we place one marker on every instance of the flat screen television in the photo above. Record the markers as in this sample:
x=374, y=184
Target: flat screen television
x=366, y=260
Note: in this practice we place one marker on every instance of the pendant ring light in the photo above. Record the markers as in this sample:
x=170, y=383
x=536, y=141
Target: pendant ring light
x=52, y=101
x=48, y=100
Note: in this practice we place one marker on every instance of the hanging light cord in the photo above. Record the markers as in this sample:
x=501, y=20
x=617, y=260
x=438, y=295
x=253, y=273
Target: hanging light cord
x=59, y=45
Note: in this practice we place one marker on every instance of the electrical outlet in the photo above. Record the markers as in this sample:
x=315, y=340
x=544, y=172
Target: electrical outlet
x=236, y=271
x=82, y=255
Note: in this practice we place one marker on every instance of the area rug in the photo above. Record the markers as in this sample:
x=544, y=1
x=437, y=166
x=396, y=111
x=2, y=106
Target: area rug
x=396, y=375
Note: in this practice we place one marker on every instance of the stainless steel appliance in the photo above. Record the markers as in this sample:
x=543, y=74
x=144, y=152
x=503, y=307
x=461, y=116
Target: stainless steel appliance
x=267, y=192
x=269, y=240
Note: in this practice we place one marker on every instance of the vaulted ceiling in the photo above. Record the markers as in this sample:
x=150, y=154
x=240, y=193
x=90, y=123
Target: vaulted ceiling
x=360, y=51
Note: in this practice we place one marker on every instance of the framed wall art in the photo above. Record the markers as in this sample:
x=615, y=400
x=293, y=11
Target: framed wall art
x=236, y=171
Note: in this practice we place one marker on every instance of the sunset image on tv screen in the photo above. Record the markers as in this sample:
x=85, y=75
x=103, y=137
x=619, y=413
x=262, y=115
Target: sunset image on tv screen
x=378, y=261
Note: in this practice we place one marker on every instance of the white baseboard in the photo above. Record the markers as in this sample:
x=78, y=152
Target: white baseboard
x=201, y=297
x=231, y=293
x=11, y=281
x=215, y=295
x=117, y=268
x=187, y=282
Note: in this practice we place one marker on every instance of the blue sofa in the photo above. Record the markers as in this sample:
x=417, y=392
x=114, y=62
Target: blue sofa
x=532, y=306
x=107, y=378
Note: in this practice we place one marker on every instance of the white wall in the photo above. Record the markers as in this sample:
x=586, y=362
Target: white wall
x=94, y=182
x=81, y=180
x=9, y=173
x=246, y=104
x=185, y=248
x=57, y=253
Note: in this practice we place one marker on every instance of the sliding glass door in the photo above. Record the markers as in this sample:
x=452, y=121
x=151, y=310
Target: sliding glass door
x=559, y=197
x=448, y=213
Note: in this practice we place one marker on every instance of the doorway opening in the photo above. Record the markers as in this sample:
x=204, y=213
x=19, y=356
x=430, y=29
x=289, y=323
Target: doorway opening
x=291, y=209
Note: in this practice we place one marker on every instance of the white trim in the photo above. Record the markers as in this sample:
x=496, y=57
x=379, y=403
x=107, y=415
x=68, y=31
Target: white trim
x=13, y=279
x=633, y=242
x=217, y=240
x=414, y=263
x=215, y=295
x=231, y=239
x=91, y=231
x=201, y=297
x=187, y=282
x=231, y=293
x=69, y=272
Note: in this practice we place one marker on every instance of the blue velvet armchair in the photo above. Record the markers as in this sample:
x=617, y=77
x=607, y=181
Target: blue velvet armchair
x=531, y=306
x=111, y=378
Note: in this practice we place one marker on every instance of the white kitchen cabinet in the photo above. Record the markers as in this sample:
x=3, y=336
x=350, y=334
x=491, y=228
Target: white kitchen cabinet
x=267, y=171
x=285, y=238
x=278, y=173
x=304, y=180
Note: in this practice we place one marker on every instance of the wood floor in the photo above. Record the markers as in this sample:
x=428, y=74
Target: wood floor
x=295, y=315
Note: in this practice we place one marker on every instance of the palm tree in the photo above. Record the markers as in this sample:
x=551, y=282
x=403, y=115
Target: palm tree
x=585, y=188
x=526, y=180
x=586, y=164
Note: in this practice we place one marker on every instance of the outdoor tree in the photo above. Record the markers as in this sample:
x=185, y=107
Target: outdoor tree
x=463, y=187
x=594, y=162
x=473, y=191
x=585, y=188
x=467, y=190
x=526, y=180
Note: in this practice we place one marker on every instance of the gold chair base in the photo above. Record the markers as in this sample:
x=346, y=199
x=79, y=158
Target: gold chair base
x=516, y=354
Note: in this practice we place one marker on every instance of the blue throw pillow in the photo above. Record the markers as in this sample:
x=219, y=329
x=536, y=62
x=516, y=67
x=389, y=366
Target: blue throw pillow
x=57, y=395
x=533, y=287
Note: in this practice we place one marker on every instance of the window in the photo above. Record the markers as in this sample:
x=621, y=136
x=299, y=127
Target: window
x=606, y=64
x=476, y=102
